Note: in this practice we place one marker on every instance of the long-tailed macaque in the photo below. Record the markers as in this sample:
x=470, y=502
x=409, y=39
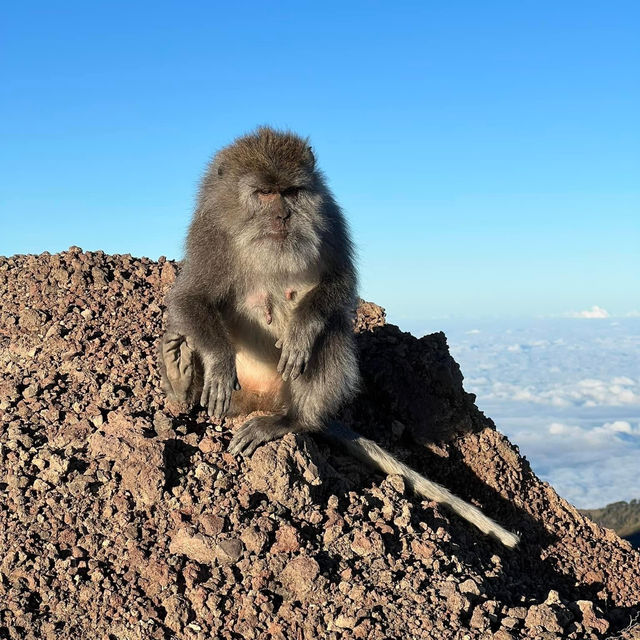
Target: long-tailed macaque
x=260, y=315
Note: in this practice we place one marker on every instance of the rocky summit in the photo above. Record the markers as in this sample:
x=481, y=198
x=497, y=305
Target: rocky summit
x=123, y=516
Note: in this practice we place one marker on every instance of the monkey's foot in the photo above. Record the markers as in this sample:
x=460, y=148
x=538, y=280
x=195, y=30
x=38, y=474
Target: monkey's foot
x=257, y=431
x=177, y=356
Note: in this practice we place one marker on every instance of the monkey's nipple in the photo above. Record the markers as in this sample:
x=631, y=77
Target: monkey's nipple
x=290, y=294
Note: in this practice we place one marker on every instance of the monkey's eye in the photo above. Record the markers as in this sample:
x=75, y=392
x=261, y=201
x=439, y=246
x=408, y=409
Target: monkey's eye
x=292, y=192
x=265, y=192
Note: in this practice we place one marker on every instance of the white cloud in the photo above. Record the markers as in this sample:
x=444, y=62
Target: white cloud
x=589, y=392
x=567, y=392
x=590, y=466
x=594, y=312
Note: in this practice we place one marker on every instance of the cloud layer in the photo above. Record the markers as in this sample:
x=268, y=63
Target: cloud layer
x=567, y=392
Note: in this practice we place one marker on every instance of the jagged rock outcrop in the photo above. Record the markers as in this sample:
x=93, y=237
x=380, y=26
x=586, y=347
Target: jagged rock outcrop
x=122, y=516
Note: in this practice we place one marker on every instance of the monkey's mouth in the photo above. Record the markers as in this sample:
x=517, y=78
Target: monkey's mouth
x=278, y=236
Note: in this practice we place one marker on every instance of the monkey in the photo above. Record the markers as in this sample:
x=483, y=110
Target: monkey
x=260, y=316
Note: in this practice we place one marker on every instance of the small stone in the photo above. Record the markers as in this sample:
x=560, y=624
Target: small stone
x=229, y=551
x=299, y=575
x=162, y=423
x=509, y=622
x=286, y=540
x=31, y=391
x=254, y=539
x=204, y=471
x=97, y=420
x=367, y=544
x=212, y=525
x=168, y=273
x=397, y=482
x=589, y=617
x=345, y=622
x=32, y=320
x=478, y=619
x=197, y=547
x=542, y=616
x=469, y=587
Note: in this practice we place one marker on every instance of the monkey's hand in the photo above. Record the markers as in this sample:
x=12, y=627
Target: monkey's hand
x=220, y=380
x=296, y=345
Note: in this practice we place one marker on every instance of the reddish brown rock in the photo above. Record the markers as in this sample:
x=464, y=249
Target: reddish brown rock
x=193, y=545
x=299, y=575
x=123, y=515
x=286, y=540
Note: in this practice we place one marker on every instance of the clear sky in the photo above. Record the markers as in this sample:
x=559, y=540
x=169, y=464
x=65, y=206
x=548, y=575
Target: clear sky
x=486, y=153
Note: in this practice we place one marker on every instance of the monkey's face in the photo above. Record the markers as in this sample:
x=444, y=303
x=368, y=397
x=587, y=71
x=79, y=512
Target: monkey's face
x=272, y=200
x=280, y=217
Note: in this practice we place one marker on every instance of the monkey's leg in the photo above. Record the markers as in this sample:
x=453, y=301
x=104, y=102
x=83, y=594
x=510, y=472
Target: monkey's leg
x=330, y=379
x=194, y=316
x=176, y=358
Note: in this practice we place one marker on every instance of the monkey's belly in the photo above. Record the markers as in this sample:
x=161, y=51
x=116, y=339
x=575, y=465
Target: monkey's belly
x=257, y=376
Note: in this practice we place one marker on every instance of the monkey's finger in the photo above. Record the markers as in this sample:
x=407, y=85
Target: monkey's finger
x=227, y=402
x=279, y=344
x=211, y=404
x=283, y=361
x=241, y=438
x=236, y=384
x=185, y=360
x=204, y=396
x=171, y=343
x=290, y=366
x=238, y=443
x=296, y=370
x=221, y=400
x=252, y=446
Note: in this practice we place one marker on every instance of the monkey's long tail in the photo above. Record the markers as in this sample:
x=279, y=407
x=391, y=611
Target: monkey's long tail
x=374, y=455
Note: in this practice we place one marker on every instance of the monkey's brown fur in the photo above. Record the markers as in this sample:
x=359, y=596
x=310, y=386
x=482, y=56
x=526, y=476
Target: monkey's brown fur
x=260, y=315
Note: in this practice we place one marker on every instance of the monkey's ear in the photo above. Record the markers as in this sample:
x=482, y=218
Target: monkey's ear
x=218, y=166
x=310, y=158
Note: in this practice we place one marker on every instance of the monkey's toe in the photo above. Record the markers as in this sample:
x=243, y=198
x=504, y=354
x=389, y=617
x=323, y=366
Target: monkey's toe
x=257, y=431
x=248, y=438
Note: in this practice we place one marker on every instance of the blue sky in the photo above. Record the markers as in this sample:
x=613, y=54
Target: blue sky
x=486, y=153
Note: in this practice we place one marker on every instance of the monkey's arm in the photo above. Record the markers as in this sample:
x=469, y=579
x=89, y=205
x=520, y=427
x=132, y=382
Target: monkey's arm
x=334, y=294
x=195, y=316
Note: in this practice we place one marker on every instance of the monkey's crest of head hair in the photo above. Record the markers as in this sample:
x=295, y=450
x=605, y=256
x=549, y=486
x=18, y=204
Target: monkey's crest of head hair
x=268, y=152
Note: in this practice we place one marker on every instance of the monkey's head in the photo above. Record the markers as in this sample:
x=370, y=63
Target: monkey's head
x=272, y=199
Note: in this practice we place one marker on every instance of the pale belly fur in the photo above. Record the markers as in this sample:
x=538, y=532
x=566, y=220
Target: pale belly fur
x=255, y=328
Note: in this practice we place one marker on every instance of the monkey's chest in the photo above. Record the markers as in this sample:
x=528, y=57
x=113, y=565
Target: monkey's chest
x=271, y=307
